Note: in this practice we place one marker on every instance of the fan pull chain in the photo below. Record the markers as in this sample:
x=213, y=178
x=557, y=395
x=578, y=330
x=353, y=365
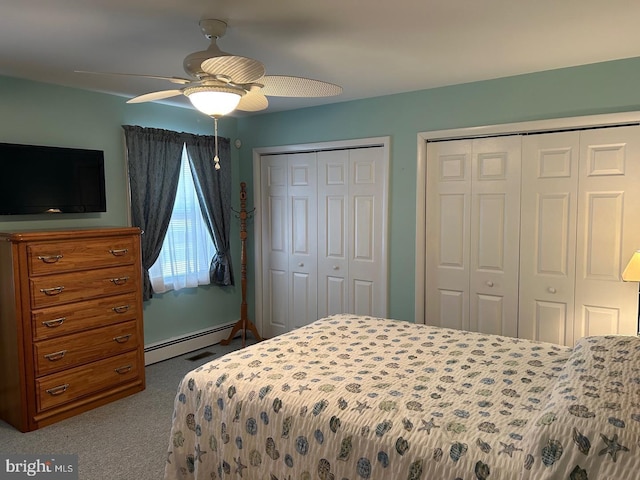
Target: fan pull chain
x=216, y=159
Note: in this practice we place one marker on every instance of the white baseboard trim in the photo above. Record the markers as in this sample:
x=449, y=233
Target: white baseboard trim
x=172, y=347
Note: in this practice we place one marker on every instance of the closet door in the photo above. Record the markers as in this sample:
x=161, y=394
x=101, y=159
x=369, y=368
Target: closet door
x=473, y=225
x=351, y=265
x=275, y=248
x=495, y=235
x=555, y=278
x=580, y=205
x=333, y=240
x=608, y=231
x=367, y=232
x=289, y=271
x=548, y=239
x=448, y=234
x=303, y=258
x=323, y=238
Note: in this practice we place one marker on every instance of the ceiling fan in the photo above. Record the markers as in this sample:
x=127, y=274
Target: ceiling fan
x=220, y=82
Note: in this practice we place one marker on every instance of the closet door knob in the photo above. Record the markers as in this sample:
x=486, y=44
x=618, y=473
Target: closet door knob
x=551, y=290
x=336, y=267
x=301, y=264
x=489, y=283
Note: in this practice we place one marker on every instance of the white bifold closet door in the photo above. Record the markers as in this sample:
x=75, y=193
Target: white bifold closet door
x=351, y=270
x=289, y=210
x=581, y=199
x=548, y=243
x=323, y=240
x=527, y=235
x=473, y=225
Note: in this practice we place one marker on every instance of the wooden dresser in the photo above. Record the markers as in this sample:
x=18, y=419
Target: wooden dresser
x=71, y=333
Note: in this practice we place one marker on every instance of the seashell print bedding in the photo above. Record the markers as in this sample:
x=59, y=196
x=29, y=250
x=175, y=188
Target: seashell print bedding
x=590, y=426
x=353, y=397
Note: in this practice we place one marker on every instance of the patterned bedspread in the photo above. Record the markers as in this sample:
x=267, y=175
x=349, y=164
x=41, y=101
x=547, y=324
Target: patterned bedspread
x=351, y=398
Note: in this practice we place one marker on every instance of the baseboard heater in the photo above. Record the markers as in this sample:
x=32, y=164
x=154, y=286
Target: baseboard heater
x=172, y=347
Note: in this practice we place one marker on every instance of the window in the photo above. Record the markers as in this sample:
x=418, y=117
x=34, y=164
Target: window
x=187, y=249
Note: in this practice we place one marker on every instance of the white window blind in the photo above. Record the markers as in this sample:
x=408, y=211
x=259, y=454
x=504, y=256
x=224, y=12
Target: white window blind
x=187, y=249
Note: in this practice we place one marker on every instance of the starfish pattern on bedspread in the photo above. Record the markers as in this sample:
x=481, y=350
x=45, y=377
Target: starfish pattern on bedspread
x=613, y=447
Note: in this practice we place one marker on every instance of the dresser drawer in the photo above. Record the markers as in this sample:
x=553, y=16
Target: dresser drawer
x=64, y=352
x=64, y=319
x=66, y=256
x=72, y=287
x=78, y=382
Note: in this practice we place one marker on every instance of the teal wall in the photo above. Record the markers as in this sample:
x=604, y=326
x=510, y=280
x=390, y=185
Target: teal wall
x=45, y=114
x=51, y=115
x=592, y=89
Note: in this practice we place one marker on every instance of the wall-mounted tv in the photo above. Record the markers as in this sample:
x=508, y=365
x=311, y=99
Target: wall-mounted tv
x=43, y=179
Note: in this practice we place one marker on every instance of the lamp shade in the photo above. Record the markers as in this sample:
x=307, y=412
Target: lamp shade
x=214, y=101
x=631, y=272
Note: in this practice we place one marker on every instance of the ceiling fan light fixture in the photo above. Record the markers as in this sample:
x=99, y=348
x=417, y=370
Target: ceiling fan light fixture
x=214, y=101
x=220, y=83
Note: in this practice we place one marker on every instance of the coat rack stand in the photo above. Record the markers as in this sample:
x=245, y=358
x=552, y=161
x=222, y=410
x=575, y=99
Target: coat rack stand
x=244, y=323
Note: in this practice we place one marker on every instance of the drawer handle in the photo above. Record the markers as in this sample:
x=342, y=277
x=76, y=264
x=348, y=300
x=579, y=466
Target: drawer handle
x=123, y=370
x=52, y=357
x=120, y=281
x=121, y=308
x=58, y=390
x=122, y=338
x=54, y=323
x=49, y=258
x=119, y=253
x=52, y=291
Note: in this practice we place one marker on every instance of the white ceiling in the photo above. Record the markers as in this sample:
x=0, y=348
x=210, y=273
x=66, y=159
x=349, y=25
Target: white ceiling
x=369, y=47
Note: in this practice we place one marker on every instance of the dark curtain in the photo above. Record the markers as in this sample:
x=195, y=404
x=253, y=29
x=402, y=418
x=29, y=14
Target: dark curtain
x=214, y=194
x=154, y=157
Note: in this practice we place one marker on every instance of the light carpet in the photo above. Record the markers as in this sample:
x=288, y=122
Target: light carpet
x=126, y=439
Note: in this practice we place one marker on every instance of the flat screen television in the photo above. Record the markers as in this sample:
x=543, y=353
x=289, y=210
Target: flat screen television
x=43, y=179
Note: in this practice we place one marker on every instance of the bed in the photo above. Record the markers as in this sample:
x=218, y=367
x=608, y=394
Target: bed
x=354, y=397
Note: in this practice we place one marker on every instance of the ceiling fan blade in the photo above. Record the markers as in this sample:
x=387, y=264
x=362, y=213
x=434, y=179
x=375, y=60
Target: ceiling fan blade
x=253, y=101
x=150, y=97
x=286, y=86
x=178, y=80
x=238, y=69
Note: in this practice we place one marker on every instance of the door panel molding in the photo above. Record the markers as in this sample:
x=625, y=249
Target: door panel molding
x=364, y=176
x=461, y=134
x=583, y=193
